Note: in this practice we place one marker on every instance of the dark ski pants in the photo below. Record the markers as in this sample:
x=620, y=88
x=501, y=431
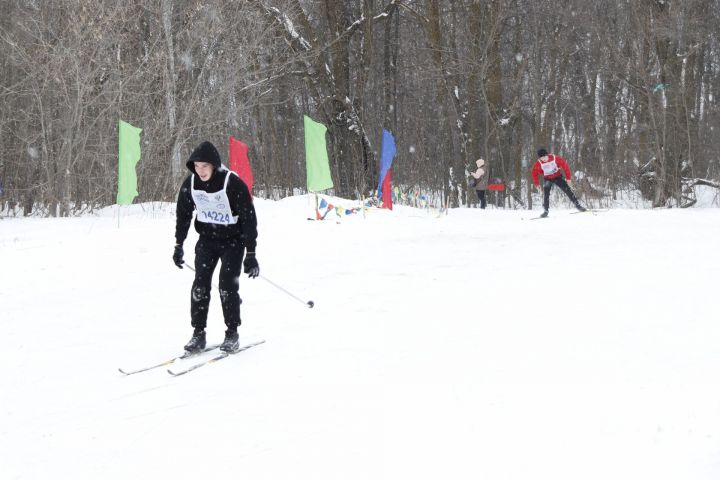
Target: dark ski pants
x=560, y=182
x=481, y=197
x=207, y=254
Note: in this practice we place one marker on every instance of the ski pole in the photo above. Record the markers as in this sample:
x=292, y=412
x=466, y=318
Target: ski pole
x=309, y=303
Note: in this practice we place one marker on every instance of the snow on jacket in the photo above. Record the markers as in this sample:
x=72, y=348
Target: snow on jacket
x=550, y=166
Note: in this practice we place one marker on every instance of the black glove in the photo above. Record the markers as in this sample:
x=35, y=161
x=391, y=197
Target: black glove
x=251, y=265
x=178, y=256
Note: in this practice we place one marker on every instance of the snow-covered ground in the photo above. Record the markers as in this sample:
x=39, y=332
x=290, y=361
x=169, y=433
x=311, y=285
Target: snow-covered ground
x=474, y=345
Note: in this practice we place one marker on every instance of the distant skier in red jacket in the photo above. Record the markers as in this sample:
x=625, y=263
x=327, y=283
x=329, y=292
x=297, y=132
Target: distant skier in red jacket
x=552, y=166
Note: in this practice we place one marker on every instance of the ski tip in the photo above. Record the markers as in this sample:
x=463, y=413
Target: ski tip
x=122, y=371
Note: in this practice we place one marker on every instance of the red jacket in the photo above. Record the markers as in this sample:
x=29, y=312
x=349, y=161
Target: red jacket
x=559, y=167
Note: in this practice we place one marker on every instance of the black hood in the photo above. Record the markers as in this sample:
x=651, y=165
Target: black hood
x=205, y=152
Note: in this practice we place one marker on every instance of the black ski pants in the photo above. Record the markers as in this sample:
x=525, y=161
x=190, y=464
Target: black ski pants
x=207, y=254
x=481, y=197
x=560, y=182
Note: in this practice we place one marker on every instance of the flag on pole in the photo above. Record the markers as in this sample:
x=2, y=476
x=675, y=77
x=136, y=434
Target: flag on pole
x=387, y=191
x=128, y=156
x=387, y=154
x=240, y=163
x=316, y=157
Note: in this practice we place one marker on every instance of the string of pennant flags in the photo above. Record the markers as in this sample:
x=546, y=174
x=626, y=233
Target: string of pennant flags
x=413, y=198
x=325, y=207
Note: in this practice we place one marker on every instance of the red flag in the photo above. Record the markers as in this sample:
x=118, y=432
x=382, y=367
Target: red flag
x=387, y=191
x=239, y=162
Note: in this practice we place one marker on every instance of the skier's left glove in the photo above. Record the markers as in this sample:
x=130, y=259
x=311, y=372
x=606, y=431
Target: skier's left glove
x=251, y=265
x=178, y=256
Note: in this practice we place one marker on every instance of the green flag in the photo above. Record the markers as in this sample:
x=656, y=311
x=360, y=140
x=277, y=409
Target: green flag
x=316, y=157
x=128, y=156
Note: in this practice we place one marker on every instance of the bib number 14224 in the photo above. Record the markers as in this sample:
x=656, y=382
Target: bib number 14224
x=217, y=217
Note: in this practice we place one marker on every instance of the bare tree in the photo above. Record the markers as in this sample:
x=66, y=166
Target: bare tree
x=627, y=91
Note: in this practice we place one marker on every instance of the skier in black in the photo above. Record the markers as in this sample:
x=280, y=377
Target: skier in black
x=227, y=225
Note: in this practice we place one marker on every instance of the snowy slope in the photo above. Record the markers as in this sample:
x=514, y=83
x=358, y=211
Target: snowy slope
x=474, y=345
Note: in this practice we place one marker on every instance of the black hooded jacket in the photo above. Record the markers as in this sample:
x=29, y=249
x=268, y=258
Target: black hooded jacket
x=237, y=192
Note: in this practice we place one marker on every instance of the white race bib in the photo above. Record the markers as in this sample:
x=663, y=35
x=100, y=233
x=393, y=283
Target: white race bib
x=549, y=167
x=213, y=207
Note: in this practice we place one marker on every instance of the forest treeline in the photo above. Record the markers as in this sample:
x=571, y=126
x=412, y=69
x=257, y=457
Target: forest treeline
x=626, y=90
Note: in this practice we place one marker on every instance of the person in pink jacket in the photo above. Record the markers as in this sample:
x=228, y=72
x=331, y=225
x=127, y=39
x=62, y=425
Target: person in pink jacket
x=552, y=167
x=480, y=179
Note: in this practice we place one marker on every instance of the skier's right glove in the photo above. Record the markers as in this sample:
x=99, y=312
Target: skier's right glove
x=178, y=256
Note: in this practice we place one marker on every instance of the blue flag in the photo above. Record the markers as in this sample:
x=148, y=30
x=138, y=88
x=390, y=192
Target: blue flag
x=386, y=157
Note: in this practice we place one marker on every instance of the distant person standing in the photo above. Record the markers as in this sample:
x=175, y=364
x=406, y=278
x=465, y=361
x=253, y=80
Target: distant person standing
x=552, y=167
x=227, y=227
x=480, y=178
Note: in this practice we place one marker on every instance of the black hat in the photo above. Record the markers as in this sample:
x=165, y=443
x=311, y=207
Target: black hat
x=542, y=152
x=205, y=152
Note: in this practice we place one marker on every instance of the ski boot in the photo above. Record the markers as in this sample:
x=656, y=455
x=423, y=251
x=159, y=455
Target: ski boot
x=581, y=208
x=197, y=342
x=231, y=342
x=544, y=214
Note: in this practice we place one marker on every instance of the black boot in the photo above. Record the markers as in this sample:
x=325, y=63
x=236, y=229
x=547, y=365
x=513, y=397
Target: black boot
x=581, y=208
x=544, y=214
x=231, y=342
x=197, y=342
